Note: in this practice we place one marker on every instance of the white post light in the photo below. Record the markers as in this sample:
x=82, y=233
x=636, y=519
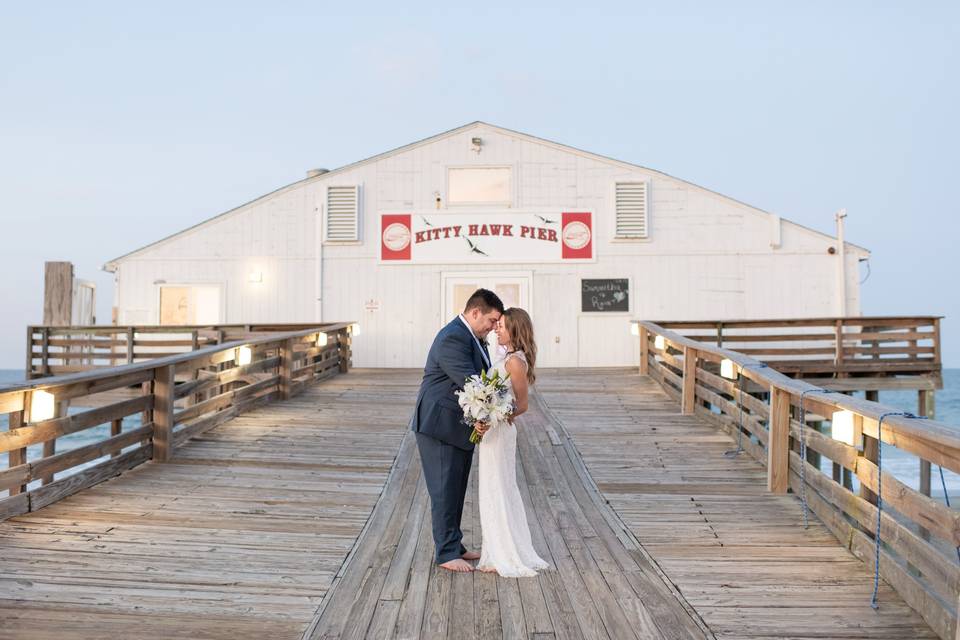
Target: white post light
x=727, y=370
x=42, y=405
x=322, y=339
x=660, y=343
x=634, y=329
x=244, y=356
x=355, y=329
x=842, y=426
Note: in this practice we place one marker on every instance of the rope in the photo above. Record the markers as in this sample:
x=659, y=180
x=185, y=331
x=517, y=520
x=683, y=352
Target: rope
x=946, y=497
x=876, y=558
x=739, y=449
x=803, y=454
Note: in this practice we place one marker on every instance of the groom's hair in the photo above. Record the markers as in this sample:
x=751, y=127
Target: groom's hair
x=485, y=300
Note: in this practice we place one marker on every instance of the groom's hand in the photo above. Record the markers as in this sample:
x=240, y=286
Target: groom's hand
x=481, y=427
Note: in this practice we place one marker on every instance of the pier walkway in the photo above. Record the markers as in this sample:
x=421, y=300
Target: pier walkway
x=308, y=518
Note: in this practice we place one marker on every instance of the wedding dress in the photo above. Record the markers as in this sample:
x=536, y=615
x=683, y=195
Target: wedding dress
x=507, y=547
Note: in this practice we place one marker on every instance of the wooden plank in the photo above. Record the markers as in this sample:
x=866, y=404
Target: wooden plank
x=60, y=489
x=164, y=385
x=778, y=444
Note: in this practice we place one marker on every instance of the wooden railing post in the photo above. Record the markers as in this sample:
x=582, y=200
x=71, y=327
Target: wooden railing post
x=343, y=353
x=163, y=398
x=17, y=457
x=838, y=347
x=778, y=442
x=286, y=369
x=644, y=350
x=130, y=338
x=28, y=370
x=688, y=400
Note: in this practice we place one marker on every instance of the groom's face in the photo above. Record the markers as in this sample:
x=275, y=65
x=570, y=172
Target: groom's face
x=482, y=323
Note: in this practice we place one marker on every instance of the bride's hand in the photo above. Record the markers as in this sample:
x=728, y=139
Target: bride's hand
x=481, y=427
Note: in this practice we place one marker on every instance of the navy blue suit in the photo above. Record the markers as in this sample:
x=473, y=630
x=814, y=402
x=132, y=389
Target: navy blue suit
x=443, y=440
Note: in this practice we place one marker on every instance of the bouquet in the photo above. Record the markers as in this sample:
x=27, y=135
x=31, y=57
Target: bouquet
x=486, y=399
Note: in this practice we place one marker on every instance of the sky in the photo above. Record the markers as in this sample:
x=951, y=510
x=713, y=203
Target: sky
x=121, y=123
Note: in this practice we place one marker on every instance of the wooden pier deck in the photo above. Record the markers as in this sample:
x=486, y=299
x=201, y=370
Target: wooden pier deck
x=308, y=518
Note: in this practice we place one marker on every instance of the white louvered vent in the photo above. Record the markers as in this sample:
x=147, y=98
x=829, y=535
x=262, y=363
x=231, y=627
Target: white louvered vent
x=631, y=209
x=343, y=213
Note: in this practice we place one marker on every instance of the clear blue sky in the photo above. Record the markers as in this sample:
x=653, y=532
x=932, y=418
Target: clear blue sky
x=121, y=123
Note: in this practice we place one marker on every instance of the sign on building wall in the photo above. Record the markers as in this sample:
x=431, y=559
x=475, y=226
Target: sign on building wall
x=486, y=237
x=604, y=295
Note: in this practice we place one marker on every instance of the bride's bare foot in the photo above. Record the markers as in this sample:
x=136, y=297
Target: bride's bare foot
x=457, y=565
x=486, y=570
x=471, y=555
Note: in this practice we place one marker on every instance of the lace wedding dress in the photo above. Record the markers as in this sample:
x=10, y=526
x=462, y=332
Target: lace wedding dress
x=507, y=547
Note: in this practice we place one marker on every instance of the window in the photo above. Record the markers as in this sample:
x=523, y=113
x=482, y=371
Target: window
x=479, y=185
x=343, y=219
x=631, y=205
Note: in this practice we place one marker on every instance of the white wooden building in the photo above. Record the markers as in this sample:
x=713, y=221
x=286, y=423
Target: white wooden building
x=397, y=241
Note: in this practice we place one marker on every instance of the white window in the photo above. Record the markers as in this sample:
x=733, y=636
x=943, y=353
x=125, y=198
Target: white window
x=631, y=205
x=479, y=186
x=343, y=213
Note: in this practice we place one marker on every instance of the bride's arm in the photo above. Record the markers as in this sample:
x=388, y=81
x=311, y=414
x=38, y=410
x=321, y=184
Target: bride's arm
x=518, y=376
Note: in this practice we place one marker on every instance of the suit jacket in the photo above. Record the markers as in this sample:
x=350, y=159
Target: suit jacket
x=453, y=357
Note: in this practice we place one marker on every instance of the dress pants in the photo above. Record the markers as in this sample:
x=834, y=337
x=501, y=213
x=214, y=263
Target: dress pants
x=446, y=469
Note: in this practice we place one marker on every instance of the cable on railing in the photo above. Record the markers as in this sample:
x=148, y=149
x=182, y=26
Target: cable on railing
x=803, y=454
x=946, y=497
x=876, y=560
x=735, y=452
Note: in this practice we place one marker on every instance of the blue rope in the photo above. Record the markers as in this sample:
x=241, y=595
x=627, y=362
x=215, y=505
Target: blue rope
x=876, y=559
x=803, y=454
x=946, y=497
x=739, y=449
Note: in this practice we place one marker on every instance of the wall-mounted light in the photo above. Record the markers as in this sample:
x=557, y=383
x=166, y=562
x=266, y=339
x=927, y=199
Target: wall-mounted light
x=244, y=356
x=477, y=144
x=727, y=370
x=634, y=329
x=842, y=427
x=42, y=405
x=660, y=343
x=355, y=329
x=322, y=339
x=255, y=276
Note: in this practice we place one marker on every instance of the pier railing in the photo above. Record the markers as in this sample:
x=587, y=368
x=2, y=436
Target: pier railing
x=888, y=348
x=53, y=350
x=151, y=408
x=761, y=407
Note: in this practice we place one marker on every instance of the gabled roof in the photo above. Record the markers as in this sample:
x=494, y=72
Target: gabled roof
x=111, y=265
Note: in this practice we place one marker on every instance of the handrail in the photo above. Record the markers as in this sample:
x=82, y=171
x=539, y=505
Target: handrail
x=173, y=398
x=918, y=557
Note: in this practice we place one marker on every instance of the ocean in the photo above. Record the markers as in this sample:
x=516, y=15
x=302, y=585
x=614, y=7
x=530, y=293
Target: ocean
x=904, y=466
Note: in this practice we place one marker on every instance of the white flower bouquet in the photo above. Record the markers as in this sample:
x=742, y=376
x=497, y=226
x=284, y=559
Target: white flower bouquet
x=486, y=399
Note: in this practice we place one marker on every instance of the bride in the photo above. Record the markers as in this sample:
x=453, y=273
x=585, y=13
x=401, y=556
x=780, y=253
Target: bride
x=507, y=548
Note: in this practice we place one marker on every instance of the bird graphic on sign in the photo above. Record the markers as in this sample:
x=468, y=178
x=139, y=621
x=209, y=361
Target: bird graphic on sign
x=425, y=221
x=473, y=247
x=545, y=220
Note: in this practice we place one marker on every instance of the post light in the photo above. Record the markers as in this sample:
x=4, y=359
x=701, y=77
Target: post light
x=842, y=427
x=634, y=329
x=727, y=370
x=244, y=356
x=322, y=339
x=42, y=405
x=255, y=276
x=355, y=329
x=660, y=343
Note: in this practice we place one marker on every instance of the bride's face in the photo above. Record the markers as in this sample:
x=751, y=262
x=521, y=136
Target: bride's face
x=503, y=335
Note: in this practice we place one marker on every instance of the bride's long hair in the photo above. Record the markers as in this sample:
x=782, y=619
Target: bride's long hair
x=520, y=328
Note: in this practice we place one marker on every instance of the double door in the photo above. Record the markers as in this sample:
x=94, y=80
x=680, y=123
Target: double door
x=513, y=288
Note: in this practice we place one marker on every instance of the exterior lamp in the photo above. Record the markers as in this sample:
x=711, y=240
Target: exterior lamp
x=42, y=405
x=322, y=339
x=727, y=370
x=355, y=329
x=244, y=356
x=255, y=276
x=842, y=427
x=660, y=343
x=634, y=329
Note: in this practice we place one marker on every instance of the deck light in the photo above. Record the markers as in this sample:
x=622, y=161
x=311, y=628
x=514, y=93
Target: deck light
x=660, y=343
x=727, y=370
x=42, y=405
x=355, y=329
x=634, y=329
x=842, y=426
x=244, y=356
x=321, y=339
x=256, y=276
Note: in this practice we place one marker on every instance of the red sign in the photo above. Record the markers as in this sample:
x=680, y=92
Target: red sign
x=576, y=233
x=395, y=236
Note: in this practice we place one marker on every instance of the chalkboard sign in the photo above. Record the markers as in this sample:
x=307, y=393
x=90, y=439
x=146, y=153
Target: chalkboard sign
x=605, y=295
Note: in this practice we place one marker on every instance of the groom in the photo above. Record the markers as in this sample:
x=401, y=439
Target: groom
x=446, y=452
